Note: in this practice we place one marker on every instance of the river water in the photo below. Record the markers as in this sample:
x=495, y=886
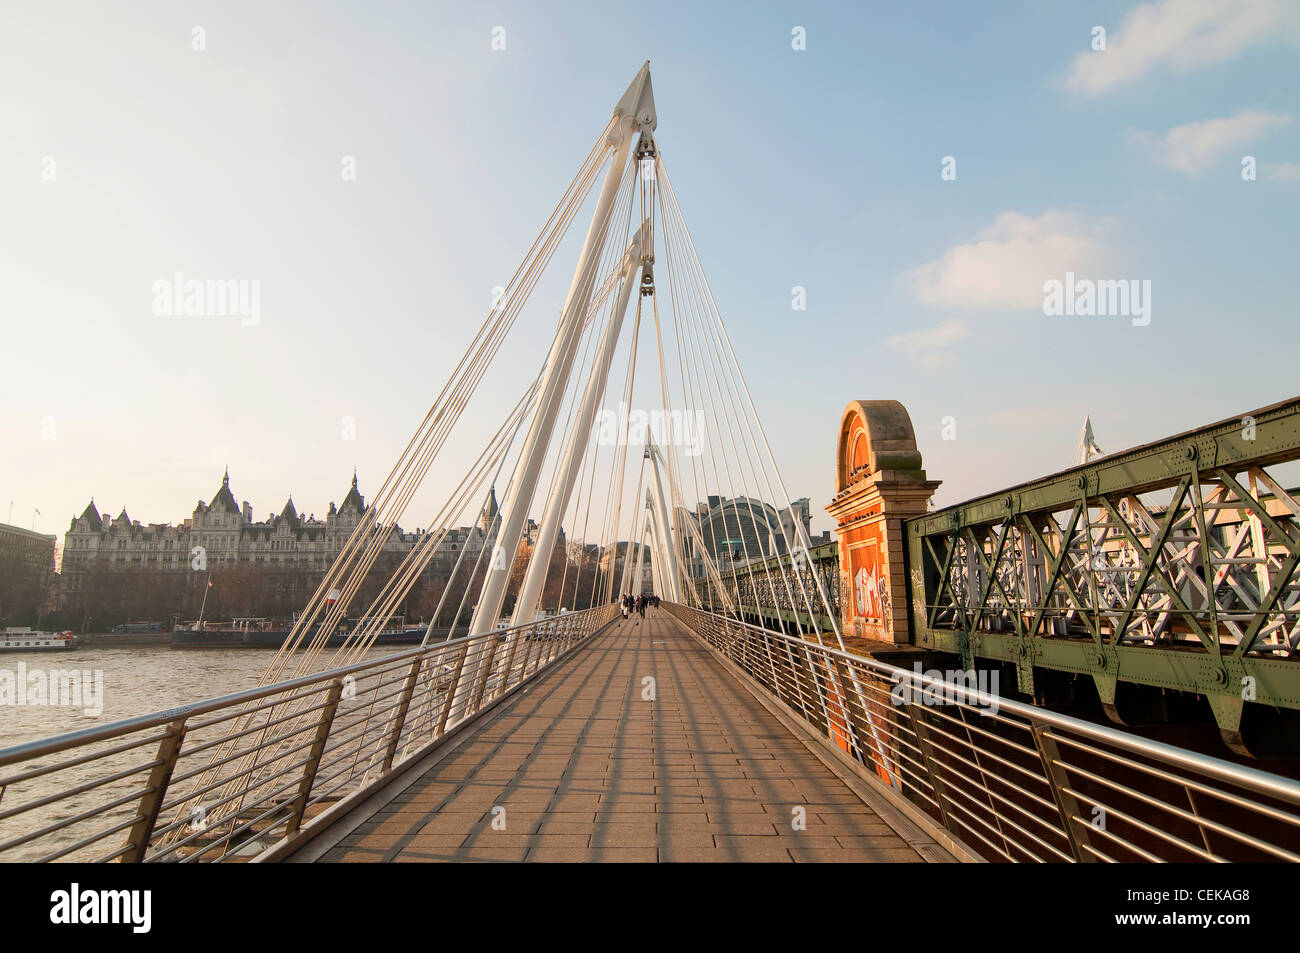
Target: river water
x=136, y=680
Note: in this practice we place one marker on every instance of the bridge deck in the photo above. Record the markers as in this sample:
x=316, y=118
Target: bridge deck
x=587, y=770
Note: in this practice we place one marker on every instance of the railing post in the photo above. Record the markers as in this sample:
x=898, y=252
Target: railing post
x=299, y=803
x=510, y=660
x=483, y=672
x=528, y=656
x=399, y=718
x=852, y=699
x=737, y=645
x=151, y=803
x=450, y=694
x=879, y=743
x=546, y=646
x=771, y=662
x=940, y=788
x=821, y=692
x=1058, y=780
x=801, y=671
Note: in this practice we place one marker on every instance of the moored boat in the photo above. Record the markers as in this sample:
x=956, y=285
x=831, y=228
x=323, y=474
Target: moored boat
x=263, y=633
x=25, y=639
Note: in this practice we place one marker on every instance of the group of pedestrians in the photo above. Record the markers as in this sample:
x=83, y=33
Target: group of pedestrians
x=637, y=604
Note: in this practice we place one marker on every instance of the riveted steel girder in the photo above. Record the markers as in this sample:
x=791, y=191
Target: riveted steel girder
x=1172, y=565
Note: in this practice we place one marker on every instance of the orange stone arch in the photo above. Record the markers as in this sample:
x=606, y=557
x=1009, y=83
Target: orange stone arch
x=879, y=482
x=874, y=435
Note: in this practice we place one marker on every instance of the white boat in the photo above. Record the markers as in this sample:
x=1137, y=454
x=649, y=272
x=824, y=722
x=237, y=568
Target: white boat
x=24, y=639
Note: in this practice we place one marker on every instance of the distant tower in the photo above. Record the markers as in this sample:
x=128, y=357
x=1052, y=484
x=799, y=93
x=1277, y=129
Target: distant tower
x=490, y=511
x=1087, y=448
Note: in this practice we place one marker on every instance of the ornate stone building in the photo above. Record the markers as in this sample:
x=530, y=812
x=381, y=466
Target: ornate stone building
x=221, y=537
x=117, y=569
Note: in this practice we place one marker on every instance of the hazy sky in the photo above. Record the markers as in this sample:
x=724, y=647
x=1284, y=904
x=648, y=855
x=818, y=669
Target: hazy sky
x=127, y=155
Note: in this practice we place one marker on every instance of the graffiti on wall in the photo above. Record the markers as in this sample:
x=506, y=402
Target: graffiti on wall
x=868, y=582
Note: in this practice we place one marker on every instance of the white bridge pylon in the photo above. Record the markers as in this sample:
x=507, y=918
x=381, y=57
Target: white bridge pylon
x=663, y=555
x=689, y=425
x=708, y=444
x=575, y=451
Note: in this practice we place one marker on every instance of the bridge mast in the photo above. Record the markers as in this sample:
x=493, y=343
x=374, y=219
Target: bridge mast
x=635, y=111
x=567, y=473
x=668, y=570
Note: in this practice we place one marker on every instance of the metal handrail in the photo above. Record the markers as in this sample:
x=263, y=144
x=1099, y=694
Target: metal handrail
x=978, y=764
x=231, y=787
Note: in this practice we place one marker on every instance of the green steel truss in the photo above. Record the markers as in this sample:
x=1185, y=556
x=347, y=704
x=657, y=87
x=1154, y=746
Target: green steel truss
x=1170, y=565
x=1101, y=570
x=759, y=589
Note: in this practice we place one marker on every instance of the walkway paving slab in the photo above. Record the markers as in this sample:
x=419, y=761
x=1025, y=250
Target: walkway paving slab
x=585, y=767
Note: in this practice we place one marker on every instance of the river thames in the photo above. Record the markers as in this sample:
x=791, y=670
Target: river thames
x=136, y=680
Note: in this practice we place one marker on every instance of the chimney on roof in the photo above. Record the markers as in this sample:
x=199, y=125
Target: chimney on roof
x=248, y=512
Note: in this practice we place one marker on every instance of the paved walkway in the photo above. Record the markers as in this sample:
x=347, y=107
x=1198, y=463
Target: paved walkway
x=581, y=768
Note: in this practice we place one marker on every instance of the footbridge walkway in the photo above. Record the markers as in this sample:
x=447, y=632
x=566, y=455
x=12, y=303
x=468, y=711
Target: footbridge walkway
x=686, y=736
x=641, y=747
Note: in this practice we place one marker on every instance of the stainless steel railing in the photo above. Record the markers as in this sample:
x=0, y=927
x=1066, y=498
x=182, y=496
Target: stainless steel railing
x=1010, y=781
x=227, y=778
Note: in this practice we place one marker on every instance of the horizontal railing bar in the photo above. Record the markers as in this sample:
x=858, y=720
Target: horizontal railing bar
x=66, y=822
x=190, y=795
x=72, y=739
x=1183, y=815
x=225, y=838
x=273, y=764
x=1217, y=793
x=1038, y=799
x=1236, y=774
x=244, y=711
x=1144, y=827
x=1003, y=819
x=190, y=752
x=87, y=841
x=254, y=784
x=83, y=759
x=26, y=806
x=984, y=773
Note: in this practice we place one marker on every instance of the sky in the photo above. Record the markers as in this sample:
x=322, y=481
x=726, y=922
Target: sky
x=918, y=170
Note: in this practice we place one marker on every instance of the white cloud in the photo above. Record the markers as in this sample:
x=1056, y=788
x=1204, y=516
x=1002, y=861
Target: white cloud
x=1283, y=171
x=1194, y=147
x=930, y=346
x=1006, y=265
x=1182, y=35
